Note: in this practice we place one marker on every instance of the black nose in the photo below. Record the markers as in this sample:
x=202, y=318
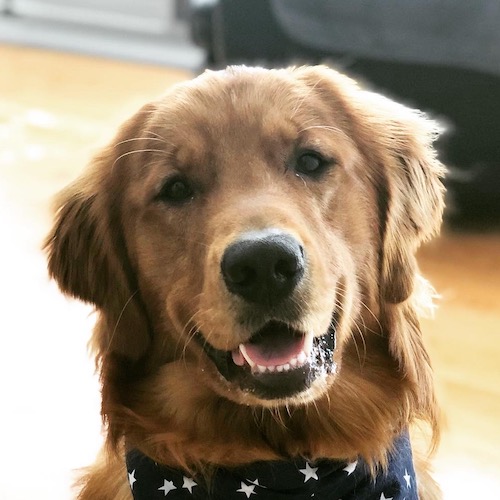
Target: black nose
x=263, y=267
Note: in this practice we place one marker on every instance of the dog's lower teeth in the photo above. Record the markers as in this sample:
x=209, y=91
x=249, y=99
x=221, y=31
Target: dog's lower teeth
x=296, y=362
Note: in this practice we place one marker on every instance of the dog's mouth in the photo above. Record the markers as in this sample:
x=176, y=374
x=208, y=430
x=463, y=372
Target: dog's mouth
x=277, y=362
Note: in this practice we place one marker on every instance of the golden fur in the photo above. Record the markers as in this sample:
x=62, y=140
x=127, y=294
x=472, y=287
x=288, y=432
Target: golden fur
x=152, y=269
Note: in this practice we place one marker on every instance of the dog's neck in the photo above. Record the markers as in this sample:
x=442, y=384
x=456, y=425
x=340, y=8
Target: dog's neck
x=294, y=479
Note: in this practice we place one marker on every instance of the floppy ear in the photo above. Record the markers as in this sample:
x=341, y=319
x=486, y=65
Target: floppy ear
x=88, y=256
x=398, y=144
x=414, y=202
x=411, y=202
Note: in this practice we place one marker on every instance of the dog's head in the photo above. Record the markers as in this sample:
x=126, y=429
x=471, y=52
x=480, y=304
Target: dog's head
x=256, y=226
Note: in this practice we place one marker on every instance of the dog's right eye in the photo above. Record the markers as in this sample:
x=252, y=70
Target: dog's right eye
x=311, y=163
x=176, y=190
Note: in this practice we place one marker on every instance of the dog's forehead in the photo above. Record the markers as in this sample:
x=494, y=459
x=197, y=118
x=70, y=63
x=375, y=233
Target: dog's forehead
x=221, y=103
x=239, y=110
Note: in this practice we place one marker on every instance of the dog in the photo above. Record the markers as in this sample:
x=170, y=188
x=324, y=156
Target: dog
x=249, y=242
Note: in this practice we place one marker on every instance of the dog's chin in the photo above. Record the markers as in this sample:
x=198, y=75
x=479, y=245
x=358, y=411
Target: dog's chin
x=277, y=364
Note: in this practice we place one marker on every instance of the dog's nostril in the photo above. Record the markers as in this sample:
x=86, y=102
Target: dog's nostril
x=286, y=269
x=263, y=266
x=241, y=275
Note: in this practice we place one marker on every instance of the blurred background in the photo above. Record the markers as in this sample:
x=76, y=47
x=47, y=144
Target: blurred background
x=72, y=70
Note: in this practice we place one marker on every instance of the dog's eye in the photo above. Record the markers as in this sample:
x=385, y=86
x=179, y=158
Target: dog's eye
x=176, y=190
x=311, y=163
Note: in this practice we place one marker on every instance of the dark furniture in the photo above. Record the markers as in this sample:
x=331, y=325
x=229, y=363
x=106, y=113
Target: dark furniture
x=442, y=56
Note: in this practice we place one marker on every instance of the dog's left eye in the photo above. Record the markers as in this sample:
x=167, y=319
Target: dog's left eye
x=176, y=190
x=311, y=163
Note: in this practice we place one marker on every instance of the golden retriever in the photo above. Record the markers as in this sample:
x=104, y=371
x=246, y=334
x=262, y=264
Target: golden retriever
x=249, y=241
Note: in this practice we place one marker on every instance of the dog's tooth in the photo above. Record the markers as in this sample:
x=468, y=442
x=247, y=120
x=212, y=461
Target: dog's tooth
x=261, y=369
x=271, y=368
x=293, y=362
x=279, y=368
x=302, y=358
x=246, y=356
x=308, y=343
x=286, y=367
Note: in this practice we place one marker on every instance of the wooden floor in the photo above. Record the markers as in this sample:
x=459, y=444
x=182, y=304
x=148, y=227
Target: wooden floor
x=55, y=111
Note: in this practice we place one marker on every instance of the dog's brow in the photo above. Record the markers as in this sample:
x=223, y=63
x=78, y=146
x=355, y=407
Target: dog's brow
x=139, y=139
x=329, y=128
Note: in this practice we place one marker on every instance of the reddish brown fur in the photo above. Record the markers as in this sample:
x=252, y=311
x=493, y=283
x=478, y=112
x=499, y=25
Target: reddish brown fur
x=152, y=270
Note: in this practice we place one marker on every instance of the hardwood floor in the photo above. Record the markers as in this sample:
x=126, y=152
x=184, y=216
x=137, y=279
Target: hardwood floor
x=55, y=111
x=464, y=340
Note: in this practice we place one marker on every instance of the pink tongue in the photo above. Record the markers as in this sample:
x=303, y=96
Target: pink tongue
x=238, y=357
x=274, y=355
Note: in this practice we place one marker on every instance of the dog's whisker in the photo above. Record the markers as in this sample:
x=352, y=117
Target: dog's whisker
x=189, y=337
x=328, y=399
x=135, y=151
x=279, y=417
x=375, y=332
x=352, y=334
x=195, y=327
x=323, y=127
x=319, y=411
x=111, y=338
x=362, y=360
x=125, y=141
x=368, y=309
x=340, y=307
x=159, y=136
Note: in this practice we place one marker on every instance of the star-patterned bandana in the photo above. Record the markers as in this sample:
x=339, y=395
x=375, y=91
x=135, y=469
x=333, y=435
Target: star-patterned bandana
x=281, y=480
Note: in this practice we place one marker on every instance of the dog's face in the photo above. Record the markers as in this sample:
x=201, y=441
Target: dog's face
x=248, y=225
x=251, y=225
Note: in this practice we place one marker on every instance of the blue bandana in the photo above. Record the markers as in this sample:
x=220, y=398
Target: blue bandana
x=296, y=479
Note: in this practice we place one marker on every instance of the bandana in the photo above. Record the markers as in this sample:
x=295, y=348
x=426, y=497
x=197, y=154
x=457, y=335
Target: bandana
x=296, y=479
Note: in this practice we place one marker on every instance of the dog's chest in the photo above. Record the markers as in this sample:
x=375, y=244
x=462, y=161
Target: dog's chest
x=285, y=480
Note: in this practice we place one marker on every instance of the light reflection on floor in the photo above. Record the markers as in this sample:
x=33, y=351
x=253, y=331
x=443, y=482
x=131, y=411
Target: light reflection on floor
x=50, y=397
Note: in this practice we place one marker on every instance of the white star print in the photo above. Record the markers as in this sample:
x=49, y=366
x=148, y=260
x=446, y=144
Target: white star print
x=188, y=484
x=383, y=497
x=131, y=479
x=167, y=487
x=256, y=482
x=248, y=489
x=407, y=478
x=309, y=472
x=350, y=468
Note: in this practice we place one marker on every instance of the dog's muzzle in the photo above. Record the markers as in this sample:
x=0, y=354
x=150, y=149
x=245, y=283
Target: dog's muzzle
x=263, y=270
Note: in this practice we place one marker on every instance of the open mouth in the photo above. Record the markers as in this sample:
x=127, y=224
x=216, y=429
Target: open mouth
x=277, y=362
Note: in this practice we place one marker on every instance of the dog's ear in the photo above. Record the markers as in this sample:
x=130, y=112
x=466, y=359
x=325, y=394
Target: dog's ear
x=88, y=254
x=414, y=199
x=410, y=198
x=397, y=142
